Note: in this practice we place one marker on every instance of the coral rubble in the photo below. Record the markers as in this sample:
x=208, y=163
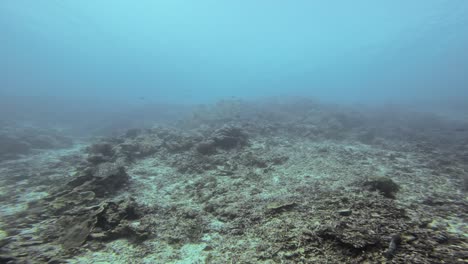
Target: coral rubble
x=244, y=183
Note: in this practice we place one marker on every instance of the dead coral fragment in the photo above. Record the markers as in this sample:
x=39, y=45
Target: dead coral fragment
x=74, y=230
x=107, y=221
x=72, y=199
x=278, y=207
x=345, y=212
x=100, y=153
x=227, y=137
x=207, y=147
x=103, y=179
x=104, y=149
x=386, y=186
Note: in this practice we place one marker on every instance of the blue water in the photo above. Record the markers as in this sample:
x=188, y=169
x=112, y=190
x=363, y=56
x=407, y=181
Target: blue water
x=200, y=51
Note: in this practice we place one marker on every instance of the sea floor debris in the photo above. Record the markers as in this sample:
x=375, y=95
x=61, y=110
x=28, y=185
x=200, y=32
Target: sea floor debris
x=316, y=187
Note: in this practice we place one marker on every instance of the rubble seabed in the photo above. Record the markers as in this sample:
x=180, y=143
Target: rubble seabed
x=322, y=187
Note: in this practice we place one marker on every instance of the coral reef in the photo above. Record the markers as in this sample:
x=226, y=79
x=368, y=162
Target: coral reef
x=19, y=140
x=298, y=182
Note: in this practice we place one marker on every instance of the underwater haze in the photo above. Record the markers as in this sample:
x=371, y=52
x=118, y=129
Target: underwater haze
x=216, y=131
x=201, y=51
